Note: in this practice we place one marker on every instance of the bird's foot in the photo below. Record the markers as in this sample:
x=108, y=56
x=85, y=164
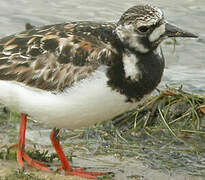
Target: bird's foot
x=80, y=172
x=22, y=156
x=36, y=164
x=66, y=167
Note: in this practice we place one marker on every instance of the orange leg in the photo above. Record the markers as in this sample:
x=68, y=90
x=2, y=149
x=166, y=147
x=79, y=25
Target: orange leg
x=21, y=141
x=21, y=155
x=65, y=164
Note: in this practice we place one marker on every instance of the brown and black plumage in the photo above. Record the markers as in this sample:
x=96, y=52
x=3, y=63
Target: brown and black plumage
x=54, y=57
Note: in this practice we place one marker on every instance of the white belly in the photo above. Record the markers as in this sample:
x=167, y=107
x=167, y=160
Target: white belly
x=86, y=103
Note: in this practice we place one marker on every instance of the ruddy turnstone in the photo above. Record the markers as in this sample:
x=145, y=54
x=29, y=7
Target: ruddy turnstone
x=75, y=74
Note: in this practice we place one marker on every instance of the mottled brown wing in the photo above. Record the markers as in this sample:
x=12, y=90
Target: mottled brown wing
x=54, y=57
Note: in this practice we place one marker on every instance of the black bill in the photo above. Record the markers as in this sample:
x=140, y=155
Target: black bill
x=174, y=31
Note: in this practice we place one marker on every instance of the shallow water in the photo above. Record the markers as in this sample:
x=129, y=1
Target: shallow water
x=185, y=65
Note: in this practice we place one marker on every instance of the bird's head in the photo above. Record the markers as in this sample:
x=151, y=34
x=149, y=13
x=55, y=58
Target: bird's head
x=143, y=28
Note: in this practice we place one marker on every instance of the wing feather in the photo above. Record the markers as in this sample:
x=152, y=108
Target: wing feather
x=54, y=57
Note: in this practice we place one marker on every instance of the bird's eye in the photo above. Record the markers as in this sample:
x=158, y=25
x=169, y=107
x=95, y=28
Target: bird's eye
x=143, y=29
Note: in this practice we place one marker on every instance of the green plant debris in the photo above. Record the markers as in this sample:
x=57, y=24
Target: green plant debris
x=173, y=108
x=43, y=156
x=137, y=177
x=20, y=175
x=172, y=41
x=108, y=176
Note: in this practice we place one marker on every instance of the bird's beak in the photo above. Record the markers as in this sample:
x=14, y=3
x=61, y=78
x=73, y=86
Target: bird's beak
x=173, y=31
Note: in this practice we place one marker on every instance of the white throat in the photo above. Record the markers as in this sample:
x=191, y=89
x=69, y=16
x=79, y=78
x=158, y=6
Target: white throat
x=130, y=66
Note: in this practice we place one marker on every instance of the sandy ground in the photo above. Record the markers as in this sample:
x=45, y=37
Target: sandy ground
x=124, y=169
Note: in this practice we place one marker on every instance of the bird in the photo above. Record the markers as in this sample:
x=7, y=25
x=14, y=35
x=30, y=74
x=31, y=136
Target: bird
x=76, y=74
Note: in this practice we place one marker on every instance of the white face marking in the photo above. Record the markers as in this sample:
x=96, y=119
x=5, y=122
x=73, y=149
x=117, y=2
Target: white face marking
x=157, y=33
x=129, y=36
x=130, y=67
